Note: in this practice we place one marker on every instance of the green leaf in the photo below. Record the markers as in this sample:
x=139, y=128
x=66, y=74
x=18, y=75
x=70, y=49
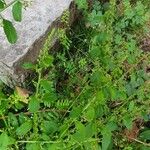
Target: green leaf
x=2, y=4
x=12, y=120
x=80, y=133
x=145, y=135
x=47, y=85
x=131, y=106
x=24, y=128
x=111, y=126
x=95, y=52
x=49, y=98
x=34, y=146
x=130, y=89
x=49, y=127
x=143, y=147
x=98, y=78
x=127, y=121
x=44, y=137
x=113, y=93
x=28, y=65
x=90, y=130
x=100, y=97
x=90, y=114
x=76, y=112
x=10, y=31
x=34, y=105
x=99, y=111
x=82, y=4
x=55, y=146
x=83, y=132
x=106, y=140
x=5, y=141
x=17, y=11
x=48, y=61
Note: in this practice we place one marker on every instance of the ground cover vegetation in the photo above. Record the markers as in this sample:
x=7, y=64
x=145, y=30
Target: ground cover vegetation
x=93, y=92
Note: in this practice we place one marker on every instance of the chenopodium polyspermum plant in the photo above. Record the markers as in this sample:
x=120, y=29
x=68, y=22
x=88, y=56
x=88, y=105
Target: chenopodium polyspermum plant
x=110, y=99
x=44, y=88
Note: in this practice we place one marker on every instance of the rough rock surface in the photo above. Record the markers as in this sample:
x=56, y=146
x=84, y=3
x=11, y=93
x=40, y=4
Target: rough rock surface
x=32, y=30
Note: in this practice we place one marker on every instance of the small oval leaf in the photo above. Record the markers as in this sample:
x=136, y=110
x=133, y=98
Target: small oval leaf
x=34, y=105
x=10, y=31
x=24, y=128
x=17, y=11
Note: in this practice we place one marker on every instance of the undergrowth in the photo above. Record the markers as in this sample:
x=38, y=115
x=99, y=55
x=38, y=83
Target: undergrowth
x=91, y=94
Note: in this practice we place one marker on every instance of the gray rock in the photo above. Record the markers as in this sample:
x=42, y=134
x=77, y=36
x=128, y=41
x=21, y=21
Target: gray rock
x=32, y=30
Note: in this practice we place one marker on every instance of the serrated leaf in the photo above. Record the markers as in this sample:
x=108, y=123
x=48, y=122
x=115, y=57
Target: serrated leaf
x=24, y=128
x=49, y=98
x=17, y=11
x=49, y=127
x=10, y=31
x=34, y=105
x=47, y=85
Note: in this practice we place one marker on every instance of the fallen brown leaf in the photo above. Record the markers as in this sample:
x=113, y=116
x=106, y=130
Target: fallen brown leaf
x=23, y=94
x=134, y=131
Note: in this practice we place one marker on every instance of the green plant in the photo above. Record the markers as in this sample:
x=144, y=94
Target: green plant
x=93, y=93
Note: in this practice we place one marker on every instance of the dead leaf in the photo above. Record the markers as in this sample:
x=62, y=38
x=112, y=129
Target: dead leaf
x=23, y=94
x=134, y=131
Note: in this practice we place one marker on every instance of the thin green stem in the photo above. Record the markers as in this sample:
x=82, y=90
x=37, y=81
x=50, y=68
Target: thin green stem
x=38, y=82
x=44, y=142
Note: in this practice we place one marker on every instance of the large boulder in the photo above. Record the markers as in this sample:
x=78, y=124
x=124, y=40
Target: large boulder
x=38, y=20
